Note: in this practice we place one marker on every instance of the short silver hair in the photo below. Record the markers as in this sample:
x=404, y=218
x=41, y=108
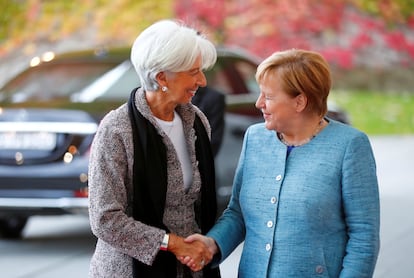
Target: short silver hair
x=169, y=45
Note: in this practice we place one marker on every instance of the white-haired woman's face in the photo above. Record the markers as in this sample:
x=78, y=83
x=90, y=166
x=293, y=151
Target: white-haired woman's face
x=183, y=85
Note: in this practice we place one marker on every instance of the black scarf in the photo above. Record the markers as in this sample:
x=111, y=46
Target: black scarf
x=150, y=188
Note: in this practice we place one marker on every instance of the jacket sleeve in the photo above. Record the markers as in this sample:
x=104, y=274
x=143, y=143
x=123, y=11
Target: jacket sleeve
x=231, y=221
x=360, y=196
x=110, y=193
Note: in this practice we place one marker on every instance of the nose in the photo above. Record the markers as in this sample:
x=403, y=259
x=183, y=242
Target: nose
x=201, y=79
x=259, y=102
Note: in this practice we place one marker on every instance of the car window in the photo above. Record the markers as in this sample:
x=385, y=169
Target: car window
x=121, y=89
x=233, y=76
x=52, y=81
x=216, y=79
x=248, y=71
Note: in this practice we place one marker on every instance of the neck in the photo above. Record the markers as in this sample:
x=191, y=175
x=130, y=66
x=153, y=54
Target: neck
x=167, y=116
x=159, y=106
x=303, y=137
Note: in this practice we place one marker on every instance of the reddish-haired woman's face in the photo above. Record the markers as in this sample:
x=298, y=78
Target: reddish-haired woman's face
x=276, y=105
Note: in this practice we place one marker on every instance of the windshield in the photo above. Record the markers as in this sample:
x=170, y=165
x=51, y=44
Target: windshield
x=74, y=81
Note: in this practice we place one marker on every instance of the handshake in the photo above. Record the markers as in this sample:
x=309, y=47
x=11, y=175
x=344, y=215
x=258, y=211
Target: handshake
x=195, y=251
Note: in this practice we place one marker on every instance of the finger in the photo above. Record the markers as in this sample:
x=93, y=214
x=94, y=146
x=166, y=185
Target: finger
x=192, y=262
x=193, y=237
x=198, y=267
x=186, y=260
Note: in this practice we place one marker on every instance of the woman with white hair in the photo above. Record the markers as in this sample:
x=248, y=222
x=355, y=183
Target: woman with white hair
x=151, y=174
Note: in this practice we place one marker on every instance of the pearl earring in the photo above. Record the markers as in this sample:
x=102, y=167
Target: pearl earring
x=164, y=89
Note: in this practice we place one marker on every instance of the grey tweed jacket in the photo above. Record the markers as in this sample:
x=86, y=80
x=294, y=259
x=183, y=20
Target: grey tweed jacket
x=120, y=237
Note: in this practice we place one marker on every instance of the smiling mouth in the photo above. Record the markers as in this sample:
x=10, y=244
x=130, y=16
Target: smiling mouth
x=265, y=115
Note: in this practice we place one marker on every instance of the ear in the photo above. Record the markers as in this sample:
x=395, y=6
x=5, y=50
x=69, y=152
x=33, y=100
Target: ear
x=161, y=79
x=301, y=102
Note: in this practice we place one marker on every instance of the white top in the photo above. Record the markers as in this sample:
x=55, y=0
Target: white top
x=174, y=130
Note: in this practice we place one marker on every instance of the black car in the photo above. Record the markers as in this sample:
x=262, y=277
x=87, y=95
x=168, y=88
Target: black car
x=50, y=112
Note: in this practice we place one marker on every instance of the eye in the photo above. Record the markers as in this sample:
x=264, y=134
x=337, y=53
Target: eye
x=194, y=71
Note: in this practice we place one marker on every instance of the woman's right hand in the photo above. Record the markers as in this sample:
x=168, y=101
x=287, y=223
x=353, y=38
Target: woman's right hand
x=192, y=251
x=207, y=241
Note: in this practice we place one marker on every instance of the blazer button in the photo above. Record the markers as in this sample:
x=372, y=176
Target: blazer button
x=273, y=200
x=319, y=269
x=269, y=224
x=278, y=177
x=268, y=247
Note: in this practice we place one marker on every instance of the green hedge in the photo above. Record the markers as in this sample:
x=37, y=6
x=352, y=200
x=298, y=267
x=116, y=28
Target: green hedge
x=378, y=113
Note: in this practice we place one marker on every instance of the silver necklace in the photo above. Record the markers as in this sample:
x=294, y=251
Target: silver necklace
x=305, y=141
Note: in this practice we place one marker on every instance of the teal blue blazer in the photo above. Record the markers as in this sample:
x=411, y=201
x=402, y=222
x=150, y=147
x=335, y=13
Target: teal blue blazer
x=314, y=213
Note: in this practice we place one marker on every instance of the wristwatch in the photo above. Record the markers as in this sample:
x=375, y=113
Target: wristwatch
x=164, y=243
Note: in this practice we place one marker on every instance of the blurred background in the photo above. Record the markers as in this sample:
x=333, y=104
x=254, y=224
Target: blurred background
x=369, y=43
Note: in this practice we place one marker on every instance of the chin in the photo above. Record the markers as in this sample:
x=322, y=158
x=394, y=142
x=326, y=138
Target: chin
x=269, y=126
x=186, y=101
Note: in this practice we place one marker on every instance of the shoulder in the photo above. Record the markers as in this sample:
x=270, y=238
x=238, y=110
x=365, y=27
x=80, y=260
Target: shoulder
x=259, y=139
x=115, y=122
x=203, y=118
x=114, y=135
x=116, y=117
x=259, y=129
x=338, y=135
x=344, y=131
x=188, y=112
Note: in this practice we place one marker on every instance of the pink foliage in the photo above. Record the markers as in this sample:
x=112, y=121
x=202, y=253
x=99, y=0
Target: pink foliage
x=410, y=22
x=343, y=58
x=410, y=50
x=396, y=40
x=337, y=30
x=361, y=40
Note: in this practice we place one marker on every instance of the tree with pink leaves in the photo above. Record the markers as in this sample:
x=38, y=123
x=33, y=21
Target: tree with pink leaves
x=344, y=34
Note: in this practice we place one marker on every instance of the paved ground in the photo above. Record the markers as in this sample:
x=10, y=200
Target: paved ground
x=395, y=163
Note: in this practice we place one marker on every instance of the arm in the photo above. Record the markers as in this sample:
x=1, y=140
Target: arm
x=232, y=219
x=195, y=251
x=192, y=262
x=362, y=211
x=110, y=191
x=231, y=222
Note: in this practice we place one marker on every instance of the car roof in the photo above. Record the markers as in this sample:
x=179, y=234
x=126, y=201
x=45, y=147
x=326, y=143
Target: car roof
x=119, y=54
